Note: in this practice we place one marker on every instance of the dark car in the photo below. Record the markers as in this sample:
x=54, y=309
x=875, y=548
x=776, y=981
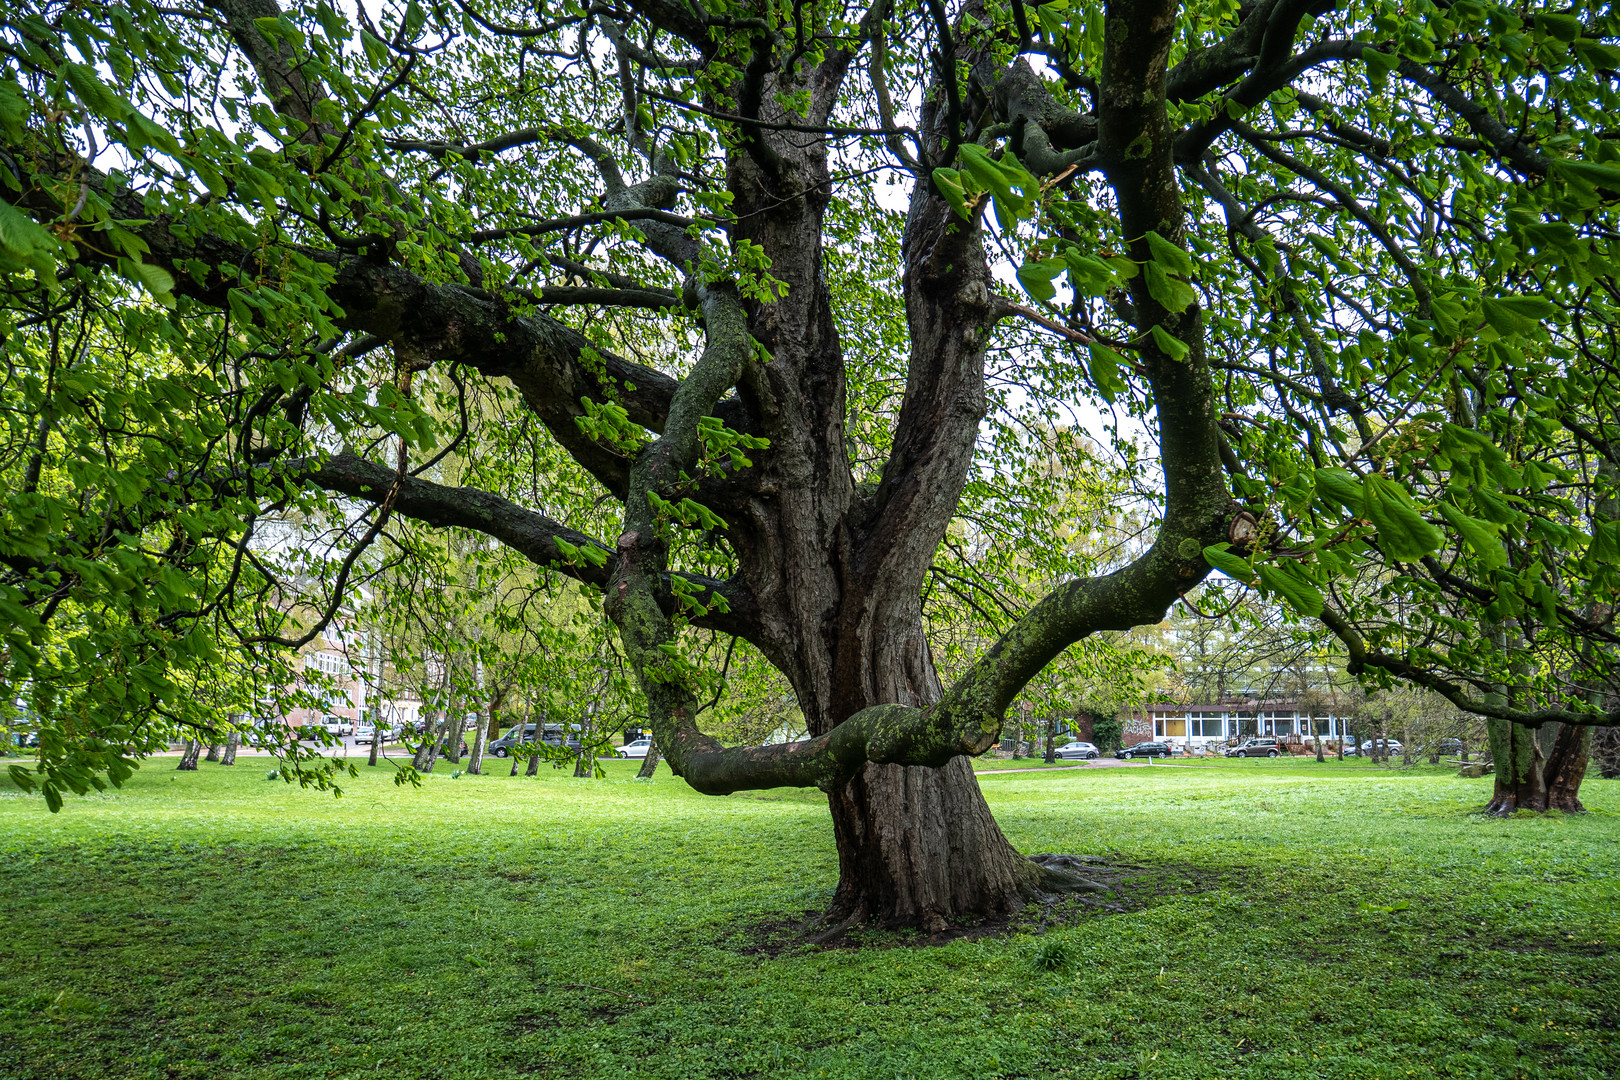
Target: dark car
x=1264, y=746
x=551, y=734
x=1144, y=749
x=1444, y=746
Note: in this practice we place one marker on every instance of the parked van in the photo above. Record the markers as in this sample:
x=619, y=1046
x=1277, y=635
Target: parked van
x=551, y=734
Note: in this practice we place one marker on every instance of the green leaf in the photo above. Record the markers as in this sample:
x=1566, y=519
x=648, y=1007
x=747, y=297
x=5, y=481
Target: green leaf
x=1590, y=173
x=1173, y=258
x=157, y=281
x=1105, y=365
x=20, y=236
x=152, y=133
x=376, y=51
x=1481, y=536
x=1220, y=557
x=241, y=309
x=1379, y=65
x=1605, y=542
x=1288, y=580
x=1052, y=24
x=1169, y=344
x=1176, y=295
x=1596, y=54
x=1036, y=278
x=1565, y=28
x=1402, y=532
x=1088, y=275
x=1013, y=187
x=331, y=22
x=1518, y=315
x=415, y=17
x=948, y=182
x=93, y=93
x=270, y=27
x=13, y=111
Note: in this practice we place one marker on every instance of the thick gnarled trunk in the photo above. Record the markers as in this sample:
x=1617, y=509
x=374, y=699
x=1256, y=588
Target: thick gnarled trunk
x=918, y=848
x=1529, y=777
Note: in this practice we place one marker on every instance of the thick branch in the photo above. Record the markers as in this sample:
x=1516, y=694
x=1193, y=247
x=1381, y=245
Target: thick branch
x=1492, y=705
x=528, y=532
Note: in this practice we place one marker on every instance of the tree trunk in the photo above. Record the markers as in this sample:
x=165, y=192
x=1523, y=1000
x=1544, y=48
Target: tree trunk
x=1521, y=782
x=649, y=764
x=231, y=744
x=427, y=755
x=1566, y=768
x=918, y=847
x=1051, y=739
x=213, y=751
x=1606, y=751
x=453, y=729
x=475, y=762
x=188, y=757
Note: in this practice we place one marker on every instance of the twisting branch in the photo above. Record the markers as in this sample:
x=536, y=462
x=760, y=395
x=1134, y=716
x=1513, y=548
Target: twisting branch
x=1361, y=658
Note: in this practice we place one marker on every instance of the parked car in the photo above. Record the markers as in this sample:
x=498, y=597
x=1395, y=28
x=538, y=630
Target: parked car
x=365, y=733
x=502, y=747
x=1263, y=746
x=551, y=734
x=637, y=749
x=1076, y=751
x=1444, y=746
x=1391, y=746
x=1144, y=749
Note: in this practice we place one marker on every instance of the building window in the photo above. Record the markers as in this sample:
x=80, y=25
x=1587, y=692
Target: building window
x=1175, y=727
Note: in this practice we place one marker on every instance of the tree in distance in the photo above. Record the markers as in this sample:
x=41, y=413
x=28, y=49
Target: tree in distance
x=721, y=282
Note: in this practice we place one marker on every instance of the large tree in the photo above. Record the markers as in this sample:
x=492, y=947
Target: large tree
x=738, y=276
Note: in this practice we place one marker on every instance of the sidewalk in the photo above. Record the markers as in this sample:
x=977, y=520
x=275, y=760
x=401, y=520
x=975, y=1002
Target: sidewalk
x=1095, y=763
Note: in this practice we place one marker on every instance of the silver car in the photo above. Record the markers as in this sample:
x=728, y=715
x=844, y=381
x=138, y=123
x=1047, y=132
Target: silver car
x=1076, y=751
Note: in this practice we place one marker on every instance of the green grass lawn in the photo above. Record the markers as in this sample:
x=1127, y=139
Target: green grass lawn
x=1330, y=922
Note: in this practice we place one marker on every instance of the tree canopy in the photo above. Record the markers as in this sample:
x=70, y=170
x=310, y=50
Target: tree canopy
x=730, y=310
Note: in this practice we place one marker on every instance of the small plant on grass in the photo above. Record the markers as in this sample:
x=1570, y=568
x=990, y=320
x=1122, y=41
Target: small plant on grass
x=1051, y=955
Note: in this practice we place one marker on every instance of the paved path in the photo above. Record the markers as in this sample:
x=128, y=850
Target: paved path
x=1104, y=763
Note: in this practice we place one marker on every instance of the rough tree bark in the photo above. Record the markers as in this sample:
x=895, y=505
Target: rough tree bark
x=231, y=745
x=475, y=760
x=649, y=764
x=1521, y=769
x=1606, y=751
x=188, y=756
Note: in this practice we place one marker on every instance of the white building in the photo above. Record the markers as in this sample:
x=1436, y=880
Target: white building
x=1196, y=724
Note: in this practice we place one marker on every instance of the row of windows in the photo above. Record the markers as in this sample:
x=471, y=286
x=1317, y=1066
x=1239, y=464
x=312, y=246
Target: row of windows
x=1223, y=725
x=320, y=661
